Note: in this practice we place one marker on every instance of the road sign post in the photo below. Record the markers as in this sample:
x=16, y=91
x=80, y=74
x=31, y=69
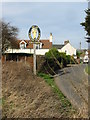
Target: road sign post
x=34, y=35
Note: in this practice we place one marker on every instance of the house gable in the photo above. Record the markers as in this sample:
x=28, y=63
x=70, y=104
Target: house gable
x=22, y=44
x=68, y=49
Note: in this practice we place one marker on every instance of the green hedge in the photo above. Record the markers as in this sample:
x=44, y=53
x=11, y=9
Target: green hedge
x=55, y=60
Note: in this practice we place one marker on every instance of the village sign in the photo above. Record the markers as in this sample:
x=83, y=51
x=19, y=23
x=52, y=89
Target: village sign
x=34, y=35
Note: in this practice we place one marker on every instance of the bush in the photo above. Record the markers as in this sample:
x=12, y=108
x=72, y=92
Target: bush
x=54, y=60
x=78, y=53
x=68, y=59
x=52, y=53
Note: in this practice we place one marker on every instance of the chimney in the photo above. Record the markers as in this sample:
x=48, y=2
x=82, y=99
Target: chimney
x=51, y=37
x=66, y=42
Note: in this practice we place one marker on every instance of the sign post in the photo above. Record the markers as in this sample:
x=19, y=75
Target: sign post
x=34, y=35
x=34, y=59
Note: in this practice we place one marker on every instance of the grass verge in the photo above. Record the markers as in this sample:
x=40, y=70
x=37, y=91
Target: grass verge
x=87, y=69
x=50, y=81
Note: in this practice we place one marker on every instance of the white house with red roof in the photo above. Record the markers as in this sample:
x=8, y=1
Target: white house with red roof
x=26, y=46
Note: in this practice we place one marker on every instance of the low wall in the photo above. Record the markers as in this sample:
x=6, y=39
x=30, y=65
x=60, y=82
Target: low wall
x=25, y=58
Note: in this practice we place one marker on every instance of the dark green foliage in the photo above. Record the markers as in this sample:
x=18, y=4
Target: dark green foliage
x=78, y=53
x=52, y=53
x=54, y=60
x=86, y=24
x=52, y=57
x=68, y=59
x=50, y=81
x=63, y=59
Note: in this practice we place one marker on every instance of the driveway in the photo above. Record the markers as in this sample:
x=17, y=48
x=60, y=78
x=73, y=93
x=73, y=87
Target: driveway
x=73, y=82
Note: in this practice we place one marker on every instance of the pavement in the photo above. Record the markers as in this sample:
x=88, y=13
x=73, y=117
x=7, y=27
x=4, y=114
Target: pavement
x=73, y=82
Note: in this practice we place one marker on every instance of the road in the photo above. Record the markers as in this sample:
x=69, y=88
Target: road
x=73, y=82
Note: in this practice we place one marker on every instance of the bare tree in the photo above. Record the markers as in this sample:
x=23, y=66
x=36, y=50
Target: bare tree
x=8, y=36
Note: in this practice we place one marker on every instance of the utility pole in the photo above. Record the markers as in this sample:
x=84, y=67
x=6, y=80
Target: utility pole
x=80, y=45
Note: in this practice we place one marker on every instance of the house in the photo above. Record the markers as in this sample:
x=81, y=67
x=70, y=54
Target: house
x=66, y=47
x=25, y=50
x=26, y=46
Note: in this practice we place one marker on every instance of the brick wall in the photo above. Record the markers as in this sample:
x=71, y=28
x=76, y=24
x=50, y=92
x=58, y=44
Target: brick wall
x=25, y=58
x=40, y=61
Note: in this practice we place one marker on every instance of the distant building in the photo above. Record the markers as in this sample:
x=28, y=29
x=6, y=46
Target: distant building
x=26, y=46
x=25, y=50
x=66, y=47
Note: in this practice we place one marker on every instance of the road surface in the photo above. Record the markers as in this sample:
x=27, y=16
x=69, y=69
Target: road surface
x=73, y=82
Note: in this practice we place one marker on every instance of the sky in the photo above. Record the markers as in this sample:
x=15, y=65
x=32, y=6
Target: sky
x=62, y=19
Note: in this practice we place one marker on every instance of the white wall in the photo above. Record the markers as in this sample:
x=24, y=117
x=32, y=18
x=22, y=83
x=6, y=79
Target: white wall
x=69, y=49
x=29, y=51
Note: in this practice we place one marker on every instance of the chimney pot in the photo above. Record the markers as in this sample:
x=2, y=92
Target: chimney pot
x=51, y=37
x=66, y=42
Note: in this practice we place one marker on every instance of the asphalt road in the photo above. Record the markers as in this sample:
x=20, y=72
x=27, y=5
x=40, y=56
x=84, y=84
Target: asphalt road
x=73, y=82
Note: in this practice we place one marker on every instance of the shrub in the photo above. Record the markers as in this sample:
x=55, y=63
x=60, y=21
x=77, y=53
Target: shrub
x=52, y=53
x=68, y=59
x=55, y=60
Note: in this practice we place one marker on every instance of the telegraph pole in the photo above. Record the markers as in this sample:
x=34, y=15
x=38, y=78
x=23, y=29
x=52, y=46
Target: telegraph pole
x=80, y=45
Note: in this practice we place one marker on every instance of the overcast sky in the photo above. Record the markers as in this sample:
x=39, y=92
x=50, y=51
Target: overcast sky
x=62, y=19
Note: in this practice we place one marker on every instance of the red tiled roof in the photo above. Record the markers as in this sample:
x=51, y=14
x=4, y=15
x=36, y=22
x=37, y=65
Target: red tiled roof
x=46, y=44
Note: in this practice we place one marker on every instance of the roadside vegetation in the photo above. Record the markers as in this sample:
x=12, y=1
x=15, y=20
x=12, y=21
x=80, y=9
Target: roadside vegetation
x=28, y=97
x=54, y=60
x=87, y=69
x=50, y=81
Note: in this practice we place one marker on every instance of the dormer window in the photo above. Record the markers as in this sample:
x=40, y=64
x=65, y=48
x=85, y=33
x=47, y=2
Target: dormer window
x=37, y=46
x=22, y=44
x=40, y=45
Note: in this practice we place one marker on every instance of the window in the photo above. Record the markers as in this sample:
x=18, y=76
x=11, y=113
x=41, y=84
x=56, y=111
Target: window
x=22, y=46
x=37, y=46
x=40, y=45
x=65, y=51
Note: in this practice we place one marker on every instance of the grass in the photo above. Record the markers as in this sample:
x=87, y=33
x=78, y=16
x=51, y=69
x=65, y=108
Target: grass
x=2, y=101
x=50, y=81
x=87, y=69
